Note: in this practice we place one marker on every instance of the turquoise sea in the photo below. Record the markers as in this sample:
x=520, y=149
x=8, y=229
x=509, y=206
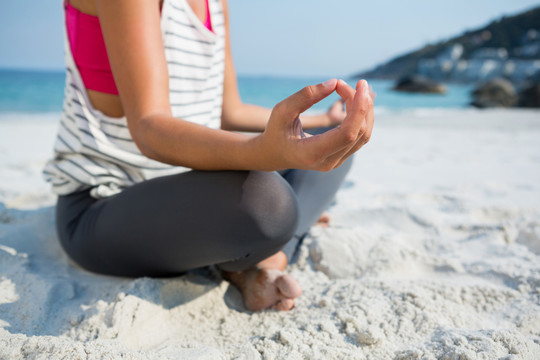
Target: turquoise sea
x=40, y=91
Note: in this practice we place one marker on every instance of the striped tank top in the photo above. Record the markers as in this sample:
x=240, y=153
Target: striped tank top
x=96, y=152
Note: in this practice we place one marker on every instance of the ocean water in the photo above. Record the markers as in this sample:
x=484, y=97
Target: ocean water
x=42, y=92
x=268, y=91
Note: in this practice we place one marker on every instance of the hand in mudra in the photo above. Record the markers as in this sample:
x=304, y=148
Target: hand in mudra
x=336, y=112
x=286, y=144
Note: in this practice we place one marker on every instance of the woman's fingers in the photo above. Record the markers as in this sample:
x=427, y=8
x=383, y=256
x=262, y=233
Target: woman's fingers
x=354, y=124
x=346, y=92
x=320, y=147
x=290, y=108
x=336, y=145
x=367, y=128
x=359, y=144
x=367, y=100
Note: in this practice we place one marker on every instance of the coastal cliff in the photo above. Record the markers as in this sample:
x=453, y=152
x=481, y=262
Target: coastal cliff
x=508, y=48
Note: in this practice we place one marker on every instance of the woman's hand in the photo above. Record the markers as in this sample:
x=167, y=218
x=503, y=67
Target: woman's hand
x=285, y=145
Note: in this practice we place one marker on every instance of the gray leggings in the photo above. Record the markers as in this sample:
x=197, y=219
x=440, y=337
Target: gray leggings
x=169, y=225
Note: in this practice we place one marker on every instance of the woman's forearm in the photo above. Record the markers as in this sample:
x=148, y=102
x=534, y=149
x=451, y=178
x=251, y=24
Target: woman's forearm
x=182, y=143
x=245, y=117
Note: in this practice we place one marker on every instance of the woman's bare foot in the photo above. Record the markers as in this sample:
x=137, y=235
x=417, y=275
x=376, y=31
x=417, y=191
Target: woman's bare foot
x=324, y=220
x=266, y=285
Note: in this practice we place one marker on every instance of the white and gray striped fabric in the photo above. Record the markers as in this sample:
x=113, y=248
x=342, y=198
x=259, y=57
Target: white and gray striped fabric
x=94, y=151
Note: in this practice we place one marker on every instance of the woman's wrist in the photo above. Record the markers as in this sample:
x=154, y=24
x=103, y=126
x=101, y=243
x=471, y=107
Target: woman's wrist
x=261, y=154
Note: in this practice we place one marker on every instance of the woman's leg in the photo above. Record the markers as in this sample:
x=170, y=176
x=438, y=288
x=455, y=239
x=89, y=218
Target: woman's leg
x=169, y=225
x=236, y=220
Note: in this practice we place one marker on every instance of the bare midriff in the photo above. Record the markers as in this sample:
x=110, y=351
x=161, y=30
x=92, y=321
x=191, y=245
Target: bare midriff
x=110, y=104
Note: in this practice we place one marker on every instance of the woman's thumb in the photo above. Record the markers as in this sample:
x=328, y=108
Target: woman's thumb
x=299, y=102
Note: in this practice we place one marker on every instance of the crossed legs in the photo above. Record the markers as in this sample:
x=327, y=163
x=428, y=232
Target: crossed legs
x=236, y=220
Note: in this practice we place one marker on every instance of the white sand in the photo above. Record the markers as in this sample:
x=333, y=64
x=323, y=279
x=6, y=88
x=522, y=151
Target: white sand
x=433, y=253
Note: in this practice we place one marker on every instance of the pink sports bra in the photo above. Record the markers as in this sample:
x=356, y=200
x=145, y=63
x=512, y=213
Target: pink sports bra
x=89, y=52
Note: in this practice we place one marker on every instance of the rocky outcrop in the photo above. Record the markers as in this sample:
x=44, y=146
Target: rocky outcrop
x=495, y=93
x=529, y=97
x=419, y=84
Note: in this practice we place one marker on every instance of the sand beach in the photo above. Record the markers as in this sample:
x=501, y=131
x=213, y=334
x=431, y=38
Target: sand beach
x=433, y=252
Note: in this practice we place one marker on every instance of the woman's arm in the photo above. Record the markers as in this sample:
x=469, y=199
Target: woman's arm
x=132, y=33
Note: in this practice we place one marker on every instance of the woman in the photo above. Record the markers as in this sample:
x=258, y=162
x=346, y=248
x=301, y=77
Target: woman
x=151, y=93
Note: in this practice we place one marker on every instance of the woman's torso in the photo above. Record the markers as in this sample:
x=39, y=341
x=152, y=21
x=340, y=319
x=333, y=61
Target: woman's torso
x=94, y=150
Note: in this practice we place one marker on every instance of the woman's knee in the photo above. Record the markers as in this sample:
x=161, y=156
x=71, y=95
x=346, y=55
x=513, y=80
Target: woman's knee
x=271, y=203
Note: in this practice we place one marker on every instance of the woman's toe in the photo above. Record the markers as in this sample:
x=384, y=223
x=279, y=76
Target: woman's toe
x=288, y=286
x=284, y=305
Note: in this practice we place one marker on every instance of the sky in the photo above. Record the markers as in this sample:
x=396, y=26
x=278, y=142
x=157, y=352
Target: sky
x=281, y=37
